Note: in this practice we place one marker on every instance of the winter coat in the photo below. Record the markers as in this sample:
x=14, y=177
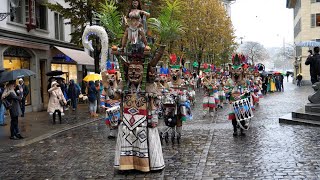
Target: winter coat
x=12, y=97
x=73, y=91
x=316, y=58
x=92, y=92
x=313, y=65
x=55, y=95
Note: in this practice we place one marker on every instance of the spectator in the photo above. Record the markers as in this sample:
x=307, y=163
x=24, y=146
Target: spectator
x=287, y=74
x=23, y=91
x=97, y=86
x=73, y=94
x=316, y=58
x=92, y=96
x=281, y=82
x=2, y=108
x=313, y=67
x=299, y=78
x=54, y=104
x=11, y=95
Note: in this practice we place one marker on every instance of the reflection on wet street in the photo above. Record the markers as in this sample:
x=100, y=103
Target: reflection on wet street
x=207, y=150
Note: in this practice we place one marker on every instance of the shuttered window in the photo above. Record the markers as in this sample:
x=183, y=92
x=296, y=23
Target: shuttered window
x=313, y=20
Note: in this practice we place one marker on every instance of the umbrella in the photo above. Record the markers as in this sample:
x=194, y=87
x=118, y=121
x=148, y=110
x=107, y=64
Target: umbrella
x=15, y=74
x=54, y=73
x=264, y=73
x=92, y=77
x=56, y=78
x=308, y=44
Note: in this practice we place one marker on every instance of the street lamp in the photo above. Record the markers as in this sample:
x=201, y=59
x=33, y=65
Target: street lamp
x=14, y=5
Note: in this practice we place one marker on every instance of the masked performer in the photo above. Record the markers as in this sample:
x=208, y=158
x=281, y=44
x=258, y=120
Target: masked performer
x=209, y=104
x=111, y=98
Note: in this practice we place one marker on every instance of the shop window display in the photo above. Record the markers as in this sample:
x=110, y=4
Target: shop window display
x=70, y=69
x=12, y=63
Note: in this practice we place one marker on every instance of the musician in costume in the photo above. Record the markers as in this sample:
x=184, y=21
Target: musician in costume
x=111, y=98
x=209, y=104
x=238, y=89
x=190, y=83
x=178, y=88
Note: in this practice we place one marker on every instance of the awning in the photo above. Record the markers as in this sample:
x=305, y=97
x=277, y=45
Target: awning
x=80, y=57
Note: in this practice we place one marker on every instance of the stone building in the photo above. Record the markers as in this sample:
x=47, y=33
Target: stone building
x=35, y=38
x=306, y=28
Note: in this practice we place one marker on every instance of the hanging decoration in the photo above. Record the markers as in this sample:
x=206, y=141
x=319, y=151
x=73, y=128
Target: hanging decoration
x=102, y=34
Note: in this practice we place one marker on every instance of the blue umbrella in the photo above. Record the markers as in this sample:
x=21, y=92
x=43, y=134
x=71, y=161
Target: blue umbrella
x=15, y=74
x=308, y=44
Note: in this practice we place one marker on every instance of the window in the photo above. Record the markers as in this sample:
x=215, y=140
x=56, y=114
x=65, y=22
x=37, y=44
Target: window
x=297, y=28
x=30, y=12
x=38, y=14
x=41, y=16
x=314, y=1
x=315, y=20
x=58, y=26
x=70, y=69
x=17, y=14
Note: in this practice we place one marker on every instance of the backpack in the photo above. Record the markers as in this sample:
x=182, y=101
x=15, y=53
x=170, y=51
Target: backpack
x=7, y=104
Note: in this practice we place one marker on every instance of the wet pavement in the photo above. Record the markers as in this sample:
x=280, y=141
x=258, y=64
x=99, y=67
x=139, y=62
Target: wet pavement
x=207, y=151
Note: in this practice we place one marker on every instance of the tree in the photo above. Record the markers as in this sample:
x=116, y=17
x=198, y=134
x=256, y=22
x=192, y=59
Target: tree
x=255, y=51
x=79, y=13
x=110, y=18
x=210, y=36
x=284, y=57
x=167, y=27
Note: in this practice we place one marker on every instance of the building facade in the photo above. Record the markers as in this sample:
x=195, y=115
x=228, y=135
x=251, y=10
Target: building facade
x=33, y=37
x=306, y=28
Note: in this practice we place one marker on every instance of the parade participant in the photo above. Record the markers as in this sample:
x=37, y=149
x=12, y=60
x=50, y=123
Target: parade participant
x=221, y=94
x=209, y=105
x=237, y=85
x=177, y=88
x=111, y=97
x=190, y=84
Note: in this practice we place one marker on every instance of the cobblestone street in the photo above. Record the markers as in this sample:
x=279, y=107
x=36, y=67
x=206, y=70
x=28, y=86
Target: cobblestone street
x=207, y=151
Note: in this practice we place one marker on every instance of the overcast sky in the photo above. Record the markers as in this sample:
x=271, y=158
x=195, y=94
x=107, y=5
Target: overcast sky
x=268, y=22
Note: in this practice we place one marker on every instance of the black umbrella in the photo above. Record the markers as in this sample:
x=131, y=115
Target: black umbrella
x=264, y=73
x=54, y=73
x=56, y=78
x=15, y=74
x=1, y=70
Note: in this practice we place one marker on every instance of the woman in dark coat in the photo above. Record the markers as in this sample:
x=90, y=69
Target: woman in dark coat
x=14, y=98
x=92, y=96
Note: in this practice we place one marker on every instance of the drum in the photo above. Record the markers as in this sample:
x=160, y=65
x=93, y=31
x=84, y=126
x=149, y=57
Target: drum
x=113, y=115
x=168, y=100
x=243, y=112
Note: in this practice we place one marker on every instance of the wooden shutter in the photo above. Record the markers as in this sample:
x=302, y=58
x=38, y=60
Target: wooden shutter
x=313, y=20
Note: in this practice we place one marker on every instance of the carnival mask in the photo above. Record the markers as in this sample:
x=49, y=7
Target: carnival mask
x=237, y=74
x=175, y=74
x=135, y=72
x=108, y=79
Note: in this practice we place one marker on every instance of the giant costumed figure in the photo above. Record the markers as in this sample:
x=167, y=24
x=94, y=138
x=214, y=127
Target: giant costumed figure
x=138, y=144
